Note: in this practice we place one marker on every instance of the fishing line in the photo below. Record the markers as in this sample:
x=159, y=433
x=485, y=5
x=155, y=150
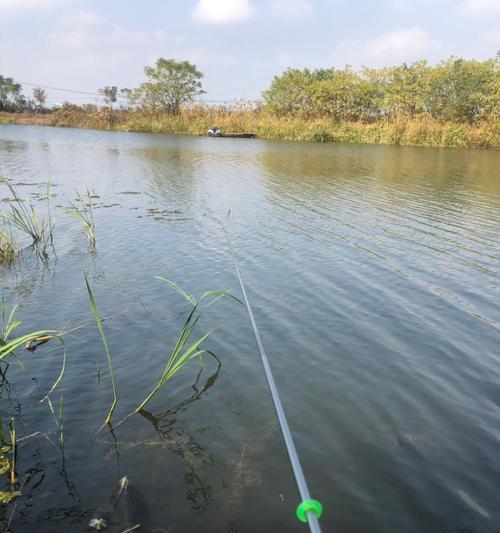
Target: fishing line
x=308, y=510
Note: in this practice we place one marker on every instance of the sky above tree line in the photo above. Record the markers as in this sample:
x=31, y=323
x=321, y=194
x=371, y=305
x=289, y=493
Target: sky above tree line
x=238, y=44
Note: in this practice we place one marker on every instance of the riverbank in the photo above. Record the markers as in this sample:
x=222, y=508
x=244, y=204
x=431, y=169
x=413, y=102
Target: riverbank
x=420, y=131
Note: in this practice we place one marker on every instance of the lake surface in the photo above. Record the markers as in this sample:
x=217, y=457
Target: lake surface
x=374, y=276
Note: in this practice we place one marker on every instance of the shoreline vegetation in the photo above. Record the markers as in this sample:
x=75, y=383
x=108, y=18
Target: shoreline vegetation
x=455, y=103
x=404, y=131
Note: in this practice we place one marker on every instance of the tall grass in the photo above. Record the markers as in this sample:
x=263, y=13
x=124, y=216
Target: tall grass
x=418, y=131
x=82, y=212
x=100, y=327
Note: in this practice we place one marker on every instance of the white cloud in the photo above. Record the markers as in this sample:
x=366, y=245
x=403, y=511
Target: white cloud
x=83, y=18
x=476, y=7
x=28, y=4
x=222, y=11
x=291, y=9
x=87, y=31
x=403, y=45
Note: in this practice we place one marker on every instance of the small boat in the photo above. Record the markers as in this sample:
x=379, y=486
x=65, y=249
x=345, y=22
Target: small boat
x=216, y=132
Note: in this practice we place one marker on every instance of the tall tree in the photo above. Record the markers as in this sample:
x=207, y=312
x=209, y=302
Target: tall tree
x=40, y=97
x=10, y=94
x=171, y=84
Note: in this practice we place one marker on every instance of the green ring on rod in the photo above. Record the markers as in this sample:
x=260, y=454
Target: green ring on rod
x=309, y=505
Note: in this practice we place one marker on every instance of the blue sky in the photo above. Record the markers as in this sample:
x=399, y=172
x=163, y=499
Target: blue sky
x=238, y=44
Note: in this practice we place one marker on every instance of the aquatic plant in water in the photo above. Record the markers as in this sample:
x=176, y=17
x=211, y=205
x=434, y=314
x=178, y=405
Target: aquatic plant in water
x=8, y=467
x=8, y=345
x=185, y=349
x=30, y=341
x=59, y=419
x=100, y=327
x=8, y=249
x=24, y=217
x=82, y=212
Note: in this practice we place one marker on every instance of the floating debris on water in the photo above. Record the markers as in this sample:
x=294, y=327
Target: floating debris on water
x=33, y=344
x=471, y=503
x=410, y=438
x=100, y=206
x=8, y=200
x=98, y=523
x=122, y=485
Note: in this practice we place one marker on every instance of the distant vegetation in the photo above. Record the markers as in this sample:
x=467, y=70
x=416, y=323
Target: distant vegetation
x=460, y=90
x=454, y=103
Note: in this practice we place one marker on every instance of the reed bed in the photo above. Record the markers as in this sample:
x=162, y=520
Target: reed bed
x=421, y=130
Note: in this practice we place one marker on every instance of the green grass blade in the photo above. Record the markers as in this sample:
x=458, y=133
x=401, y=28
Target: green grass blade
x=61, y=373
x=100, y=327
x=176, y=287
x=218, y=295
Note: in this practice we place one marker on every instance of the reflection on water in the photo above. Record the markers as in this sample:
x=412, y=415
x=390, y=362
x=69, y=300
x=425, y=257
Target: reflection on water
x=374, y=275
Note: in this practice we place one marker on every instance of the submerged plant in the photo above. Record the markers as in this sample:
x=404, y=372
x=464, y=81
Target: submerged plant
x=100, y=327
x=59, y=419
x=187, y=347
x=82, y=212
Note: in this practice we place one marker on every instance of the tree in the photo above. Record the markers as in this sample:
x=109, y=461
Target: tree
x=40, y=97
x=10, y=94
x=109, y=94
x=458, y=90
x=465, y=90
x=171, y=84
x=128, y=94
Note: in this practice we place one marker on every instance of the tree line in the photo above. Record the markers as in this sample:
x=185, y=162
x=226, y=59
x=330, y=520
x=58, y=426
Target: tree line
x=455, y=90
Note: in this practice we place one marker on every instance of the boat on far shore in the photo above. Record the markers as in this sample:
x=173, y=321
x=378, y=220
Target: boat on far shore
x=216, y=132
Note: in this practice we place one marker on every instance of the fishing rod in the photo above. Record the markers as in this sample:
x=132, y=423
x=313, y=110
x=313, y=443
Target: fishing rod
x=308, y=510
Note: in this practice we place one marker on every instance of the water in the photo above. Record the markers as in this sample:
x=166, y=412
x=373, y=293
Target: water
x=374, y=276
